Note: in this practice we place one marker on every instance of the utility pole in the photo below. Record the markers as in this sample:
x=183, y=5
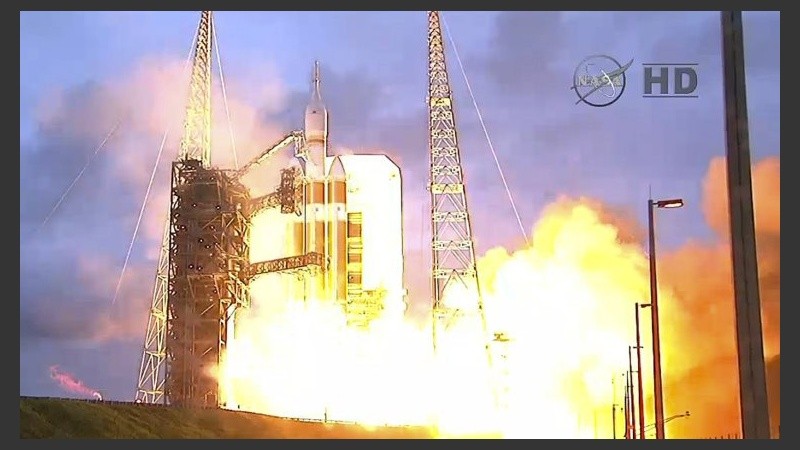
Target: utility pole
x=613, y=421
x=632, y=422
x=613, y=408
x=627, y=406
x=752, y=376
x=639, y=373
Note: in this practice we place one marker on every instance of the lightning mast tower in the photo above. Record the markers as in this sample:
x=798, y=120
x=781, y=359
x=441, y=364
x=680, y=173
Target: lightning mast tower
x=454, y=269
x=202, y=269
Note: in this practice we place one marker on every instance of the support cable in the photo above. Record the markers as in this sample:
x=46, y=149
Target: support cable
x=80, y=174
x=486, y=133
x=225, y=99
x=149, y=187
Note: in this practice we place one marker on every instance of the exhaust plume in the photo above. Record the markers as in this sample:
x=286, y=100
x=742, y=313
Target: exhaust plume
x=69, y=383
x=566, y=305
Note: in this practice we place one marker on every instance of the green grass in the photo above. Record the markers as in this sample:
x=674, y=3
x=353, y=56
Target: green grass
x=44, y=418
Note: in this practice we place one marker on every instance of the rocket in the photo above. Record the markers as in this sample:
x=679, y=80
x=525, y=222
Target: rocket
x=351, y=215
x=323, y=225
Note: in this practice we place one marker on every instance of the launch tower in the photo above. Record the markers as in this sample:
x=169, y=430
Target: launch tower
x=344, y=214
x=202, y=273
x=454, y=271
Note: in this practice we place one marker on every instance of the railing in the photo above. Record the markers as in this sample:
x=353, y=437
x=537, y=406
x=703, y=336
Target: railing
x=727, y=436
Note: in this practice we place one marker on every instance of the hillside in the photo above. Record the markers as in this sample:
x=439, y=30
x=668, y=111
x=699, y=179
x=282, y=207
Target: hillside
x=58, y=418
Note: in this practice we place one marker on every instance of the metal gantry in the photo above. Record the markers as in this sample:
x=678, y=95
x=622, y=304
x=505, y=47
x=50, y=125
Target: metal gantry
x=454, y=269
x=196, y=142
x=150, y=387
x=203, y=270
x=208, y=278
x=196, y=145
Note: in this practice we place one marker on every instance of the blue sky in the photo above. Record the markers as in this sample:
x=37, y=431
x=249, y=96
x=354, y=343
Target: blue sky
x=520, y=68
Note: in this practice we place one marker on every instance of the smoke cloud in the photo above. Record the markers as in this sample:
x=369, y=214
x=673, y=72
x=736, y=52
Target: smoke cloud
x=69, y=383
x=567, y=302
x=700, y=319
x=158, y=108
x=77, y=257
x=83, y=300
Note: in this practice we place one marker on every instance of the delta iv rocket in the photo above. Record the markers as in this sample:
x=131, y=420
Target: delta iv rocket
x=352, y=215
x=323, y=226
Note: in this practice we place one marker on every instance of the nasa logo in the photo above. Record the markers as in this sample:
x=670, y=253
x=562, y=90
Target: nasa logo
x=599, y=80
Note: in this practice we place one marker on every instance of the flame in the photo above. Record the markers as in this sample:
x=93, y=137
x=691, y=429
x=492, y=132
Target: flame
x=565, y=304
x=69, y=383
x=299, y=359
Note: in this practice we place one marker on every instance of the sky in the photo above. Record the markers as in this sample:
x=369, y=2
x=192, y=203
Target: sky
x=83, y=72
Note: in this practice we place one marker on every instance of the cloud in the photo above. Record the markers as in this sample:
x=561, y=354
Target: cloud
x=587, y=264
x=525, y=40
x=100, y=212
x=548, y=145
x=72, y=264
x=78, y=304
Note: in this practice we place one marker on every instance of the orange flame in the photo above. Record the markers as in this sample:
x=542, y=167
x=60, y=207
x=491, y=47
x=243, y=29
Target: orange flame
x=566, y=305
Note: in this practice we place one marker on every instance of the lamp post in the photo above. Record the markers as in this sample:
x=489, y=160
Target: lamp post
x=658, y=393
x=632, y=423
x=627, y=408
x=639, y=370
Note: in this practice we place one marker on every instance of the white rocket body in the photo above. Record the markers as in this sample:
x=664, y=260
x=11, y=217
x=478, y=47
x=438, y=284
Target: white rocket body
x=352, y=215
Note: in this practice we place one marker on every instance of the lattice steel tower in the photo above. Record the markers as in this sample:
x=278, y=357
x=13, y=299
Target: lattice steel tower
x=201, y=276
x=454, y=269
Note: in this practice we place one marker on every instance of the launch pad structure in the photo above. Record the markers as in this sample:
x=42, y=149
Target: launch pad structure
x=337, y=231
x=204, y=271
x=209, y=238
x=209, y=270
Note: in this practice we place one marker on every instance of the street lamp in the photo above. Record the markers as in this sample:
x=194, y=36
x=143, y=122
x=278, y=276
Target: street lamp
x=659, y=401
x=668, y=419
x=639, y=369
